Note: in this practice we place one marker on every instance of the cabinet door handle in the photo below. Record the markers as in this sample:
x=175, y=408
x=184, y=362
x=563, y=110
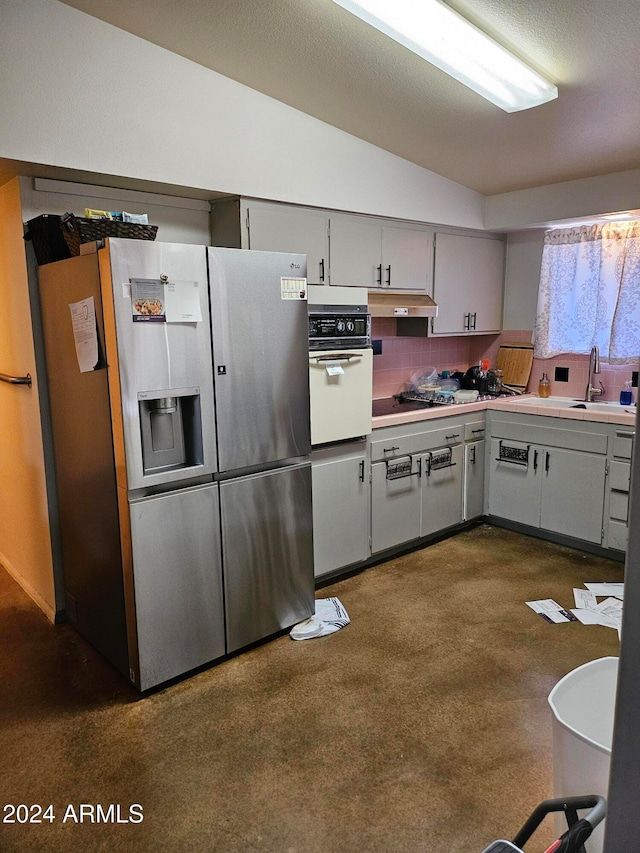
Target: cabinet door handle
x=379, y=278
x=467, y=322
x=546, y=462
x=472, y=327
x=472, y=454
x=361, y=466
x=321, y=269
x=535, y=460
x=389, y=276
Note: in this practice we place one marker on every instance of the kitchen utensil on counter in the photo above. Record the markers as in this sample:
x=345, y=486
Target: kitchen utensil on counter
x=466, y=395
x=544, y=386
x=515, y=360
x=494, y=382
x=474, y=379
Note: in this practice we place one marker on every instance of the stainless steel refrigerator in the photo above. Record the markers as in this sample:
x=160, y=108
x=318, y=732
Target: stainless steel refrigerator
x=180, y=418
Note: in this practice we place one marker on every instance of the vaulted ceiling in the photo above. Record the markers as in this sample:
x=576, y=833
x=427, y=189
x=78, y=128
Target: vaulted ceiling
x=316, y=57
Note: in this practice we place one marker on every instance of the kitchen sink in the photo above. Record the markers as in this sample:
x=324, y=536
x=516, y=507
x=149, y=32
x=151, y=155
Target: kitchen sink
x=602, y=407
x=573, y=403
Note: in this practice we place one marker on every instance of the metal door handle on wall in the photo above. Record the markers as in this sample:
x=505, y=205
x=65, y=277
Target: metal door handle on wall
x=16, y=380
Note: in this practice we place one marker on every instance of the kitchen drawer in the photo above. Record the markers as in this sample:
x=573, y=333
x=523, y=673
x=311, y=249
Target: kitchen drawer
x=533, y=431
x=474, y=430
x=617, y=535
x=403, y=445
x=619, y=506
x=619, y=476
x=623, y=444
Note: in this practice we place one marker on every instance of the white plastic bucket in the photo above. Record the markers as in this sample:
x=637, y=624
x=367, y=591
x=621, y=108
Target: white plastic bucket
x=583, y=704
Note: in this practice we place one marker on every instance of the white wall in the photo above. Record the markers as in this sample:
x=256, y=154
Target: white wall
x=78, y=93
x=522, y=277
x=569, y=200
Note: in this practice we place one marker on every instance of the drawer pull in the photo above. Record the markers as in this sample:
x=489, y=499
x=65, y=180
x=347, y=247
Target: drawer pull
x=345, y=356
x=390, y=449
x=514, y=455
x=439, y=461
x=402, y=468
x=454, y=435
x=474, y=431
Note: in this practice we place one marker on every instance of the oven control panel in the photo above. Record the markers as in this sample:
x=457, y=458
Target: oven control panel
x=333, y=330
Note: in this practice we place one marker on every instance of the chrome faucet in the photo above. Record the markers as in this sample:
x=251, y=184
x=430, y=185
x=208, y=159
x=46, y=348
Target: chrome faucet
x=594, y=368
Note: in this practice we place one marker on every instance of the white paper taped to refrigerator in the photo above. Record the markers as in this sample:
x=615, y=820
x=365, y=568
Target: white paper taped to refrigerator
x=182, y=302
x=164, y=301
x=85, y=333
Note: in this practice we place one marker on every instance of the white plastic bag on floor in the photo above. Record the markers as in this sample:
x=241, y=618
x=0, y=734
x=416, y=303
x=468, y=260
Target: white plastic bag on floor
x=330, y=616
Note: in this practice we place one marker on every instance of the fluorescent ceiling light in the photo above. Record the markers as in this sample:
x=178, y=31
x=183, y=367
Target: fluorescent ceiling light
x=446, y=40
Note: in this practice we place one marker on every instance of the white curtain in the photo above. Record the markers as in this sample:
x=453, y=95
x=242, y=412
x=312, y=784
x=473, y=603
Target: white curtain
x=590, y=292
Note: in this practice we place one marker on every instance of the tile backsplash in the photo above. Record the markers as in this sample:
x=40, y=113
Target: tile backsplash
x=401, y=357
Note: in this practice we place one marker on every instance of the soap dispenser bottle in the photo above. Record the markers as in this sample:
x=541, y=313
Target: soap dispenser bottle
x=544, y=387
x=626, y=397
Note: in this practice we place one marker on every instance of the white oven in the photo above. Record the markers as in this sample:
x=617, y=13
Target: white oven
x=340, y=371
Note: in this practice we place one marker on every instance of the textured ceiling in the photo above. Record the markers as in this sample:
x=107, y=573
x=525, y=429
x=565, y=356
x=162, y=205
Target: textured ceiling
x=315, y=56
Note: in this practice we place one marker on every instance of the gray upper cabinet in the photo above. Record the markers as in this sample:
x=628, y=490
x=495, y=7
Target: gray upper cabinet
x=276, y=228
x=366, y=252
x=468, y=284
x=247, y=224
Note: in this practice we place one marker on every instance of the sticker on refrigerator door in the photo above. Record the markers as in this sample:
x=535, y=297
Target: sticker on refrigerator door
x=293, y=288
x=147, y=300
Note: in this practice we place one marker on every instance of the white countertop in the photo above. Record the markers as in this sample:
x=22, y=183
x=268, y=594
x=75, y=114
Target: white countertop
x=551, y=407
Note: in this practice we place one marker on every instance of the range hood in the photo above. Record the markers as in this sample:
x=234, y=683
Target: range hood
x=398, y=305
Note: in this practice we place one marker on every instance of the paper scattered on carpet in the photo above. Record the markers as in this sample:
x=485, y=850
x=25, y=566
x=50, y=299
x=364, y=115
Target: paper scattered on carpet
x=329, y=617
x=587, y=610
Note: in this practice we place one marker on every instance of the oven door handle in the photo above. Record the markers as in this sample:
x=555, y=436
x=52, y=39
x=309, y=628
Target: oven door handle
x=347, y=356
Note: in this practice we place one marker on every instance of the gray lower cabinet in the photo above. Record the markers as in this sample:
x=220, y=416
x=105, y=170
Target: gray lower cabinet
x=474, y=468
x=442, y=474
x=617, y=514
x=340, y=508
x=552, y=488
x=416, y=482
x=396, y=506
x=474, y=465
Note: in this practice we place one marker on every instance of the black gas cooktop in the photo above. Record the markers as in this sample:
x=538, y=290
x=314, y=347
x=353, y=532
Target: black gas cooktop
x=397, y=405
